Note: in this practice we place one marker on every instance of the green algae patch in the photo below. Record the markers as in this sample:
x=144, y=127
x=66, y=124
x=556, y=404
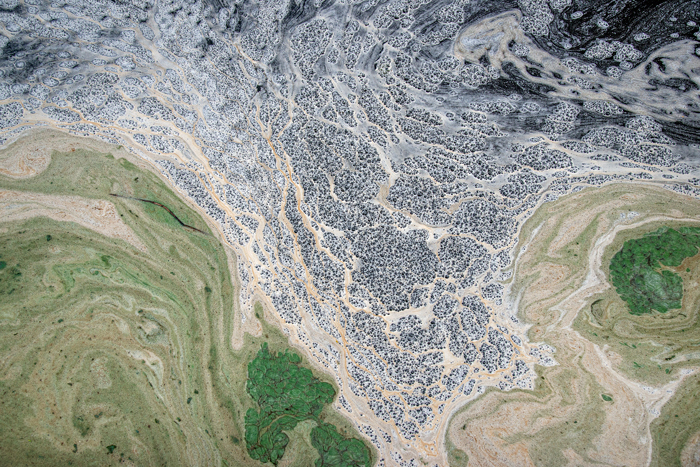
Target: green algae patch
x=337, y=451
x=635, y=271
x=652, y=346
x=575, y=407
x=286, y=394
x=299, y=452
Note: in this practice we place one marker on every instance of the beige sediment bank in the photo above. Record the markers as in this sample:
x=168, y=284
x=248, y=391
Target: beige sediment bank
x=98, y=215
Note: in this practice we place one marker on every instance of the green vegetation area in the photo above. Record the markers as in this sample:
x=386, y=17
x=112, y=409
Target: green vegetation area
x=653, y=345
x=113, y=355
x=336, y=450
x=288, y=394
x=635, y=271
x=658, y=270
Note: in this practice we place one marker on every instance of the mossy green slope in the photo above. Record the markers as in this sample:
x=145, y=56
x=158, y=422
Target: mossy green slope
x=105, y=348
x=337, y=451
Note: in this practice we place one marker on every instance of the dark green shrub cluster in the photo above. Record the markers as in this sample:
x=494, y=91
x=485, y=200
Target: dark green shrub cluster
x=636, y=272
x=336, y=450
x=287, y=394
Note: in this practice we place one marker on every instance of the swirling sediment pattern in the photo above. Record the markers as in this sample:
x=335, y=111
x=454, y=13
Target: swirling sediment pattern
x=114, y=351
x=620, y=394
x=104, y=344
